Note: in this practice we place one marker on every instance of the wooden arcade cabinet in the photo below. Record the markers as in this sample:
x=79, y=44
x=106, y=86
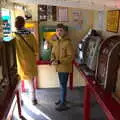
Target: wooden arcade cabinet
x=88, y=51
x=104, y=85
x=108, y=63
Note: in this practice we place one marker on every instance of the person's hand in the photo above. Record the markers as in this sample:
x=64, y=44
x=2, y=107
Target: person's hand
x=55, y=62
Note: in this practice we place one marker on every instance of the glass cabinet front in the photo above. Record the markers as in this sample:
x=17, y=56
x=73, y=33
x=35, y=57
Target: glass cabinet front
x=45, y=41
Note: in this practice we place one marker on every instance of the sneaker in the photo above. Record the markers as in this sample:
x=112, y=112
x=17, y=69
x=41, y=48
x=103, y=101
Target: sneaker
x=62, y=107
x=58, y=102
x=34, y=102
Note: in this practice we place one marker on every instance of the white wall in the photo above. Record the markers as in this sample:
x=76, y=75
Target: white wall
x=47, y=77
x=78, y=79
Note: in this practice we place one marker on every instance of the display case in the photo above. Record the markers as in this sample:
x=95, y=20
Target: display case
x=108, y=63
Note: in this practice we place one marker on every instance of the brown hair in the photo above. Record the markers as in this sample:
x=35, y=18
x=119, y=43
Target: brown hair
x=19, y=22
x=62, y=26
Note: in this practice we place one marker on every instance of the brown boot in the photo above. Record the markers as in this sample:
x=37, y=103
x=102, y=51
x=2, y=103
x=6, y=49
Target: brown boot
x=62, y=107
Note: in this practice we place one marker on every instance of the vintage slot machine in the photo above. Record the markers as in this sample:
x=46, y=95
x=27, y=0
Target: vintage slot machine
x=91, y=55
x=89, y=40
x=81, y=56
x=92, y=52
x=88, y=52
x=108, y=63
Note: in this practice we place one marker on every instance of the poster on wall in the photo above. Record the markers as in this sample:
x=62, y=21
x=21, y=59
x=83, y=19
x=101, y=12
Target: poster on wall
x=77, y=20
x=100, y=20
x=113, y=20
x=62, y=14
x=76, y=16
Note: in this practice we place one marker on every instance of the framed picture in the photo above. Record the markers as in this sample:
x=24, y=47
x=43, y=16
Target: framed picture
x=62, y=14
x=113, y=20
x=42, y=12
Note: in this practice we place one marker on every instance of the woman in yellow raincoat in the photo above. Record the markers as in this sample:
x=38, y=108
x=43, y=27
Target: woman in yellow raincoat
x=26, y=52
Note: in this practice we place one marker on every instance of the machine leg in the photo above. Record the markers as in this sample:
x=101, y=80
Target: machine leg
x=19, y=103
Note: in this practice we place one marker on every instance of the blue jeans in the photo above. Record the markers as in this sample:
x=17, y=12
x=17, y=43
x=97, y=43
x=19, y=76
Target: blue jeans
x=63, y=78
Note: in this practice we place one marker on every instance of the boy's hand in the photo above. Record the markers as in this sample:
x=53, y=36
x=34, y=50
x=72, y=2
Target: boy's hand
x=55, y=62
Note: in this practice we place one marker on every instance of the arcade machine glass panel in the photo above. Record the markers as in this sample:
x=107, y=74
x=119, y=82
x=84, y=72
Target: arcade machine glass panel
x=88, y=51
x=108, y=63
x=46, y=34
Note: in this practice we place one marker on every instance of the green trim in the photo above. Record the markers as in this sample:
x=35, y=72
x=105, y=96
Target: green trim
x=48, y=28
x=45, y=54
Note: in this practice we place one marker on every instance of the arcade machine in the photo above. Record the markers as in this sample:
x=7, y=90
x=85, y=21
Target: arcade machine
x=80, y=58
x=87, y=52
x=105, y=86
x=92, y=52
x=6, y=23
x=49, y=80
x=108, y=64
x=46, y=33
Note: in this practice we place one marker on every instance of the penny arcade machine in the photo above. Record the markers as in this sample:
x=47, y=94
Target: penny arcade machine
x=87, y=52
x=105, y=86
x=108, y=63
x=80, y=58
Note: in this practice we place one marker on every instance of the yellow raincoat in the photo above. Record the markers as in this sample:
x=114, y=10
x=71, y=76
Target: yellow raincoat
x=26, y=58
x=63, y=51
